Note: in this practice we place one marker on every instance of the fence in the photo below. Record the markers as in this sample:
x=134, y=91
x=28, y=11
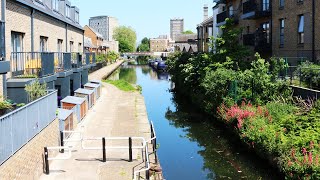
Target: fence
x=20, y=126
x=38, y=64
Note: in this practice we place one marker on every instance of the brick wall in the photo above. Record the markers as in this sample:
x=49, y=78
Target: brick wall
x=76, y=36
x=51, y=28
x=27, y=163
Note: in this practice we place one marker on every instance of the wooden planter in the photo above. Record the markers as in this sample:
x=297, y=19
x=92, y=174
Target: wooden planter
x=66, y=120
x=80, y=106
x=88, y=94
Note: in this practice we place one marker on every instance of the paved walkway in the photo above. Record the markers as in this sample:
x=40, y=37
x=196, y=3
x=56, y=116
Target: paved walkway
x=105, y=71
x=116, y=114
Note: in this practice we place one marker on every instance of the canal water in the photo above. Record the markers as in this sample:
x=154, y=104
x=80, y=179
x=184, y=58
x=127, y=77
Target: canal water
x=191, y=147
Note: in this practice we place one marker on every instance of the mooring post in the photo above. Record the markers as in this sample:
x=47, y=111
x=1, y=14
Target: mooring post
x=104, y=158
x=130, y=149
x=46, y=161
x=61, y=141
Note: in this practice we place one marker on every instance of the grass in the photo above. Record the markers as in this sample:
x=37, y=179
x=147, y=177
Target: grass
x=122, y=85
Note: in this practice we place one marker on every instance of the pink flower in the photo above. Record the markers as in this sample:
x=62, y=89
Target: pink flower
x=304, y=151
x=310, y=158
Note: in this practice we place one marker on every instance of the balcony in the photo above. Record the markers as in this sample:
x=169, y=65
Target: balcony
x=249, y=39
x=76, y=60
x=263, y=42
x=32, y=64
x=221, y=17
x=62, y=62
x=252, y=9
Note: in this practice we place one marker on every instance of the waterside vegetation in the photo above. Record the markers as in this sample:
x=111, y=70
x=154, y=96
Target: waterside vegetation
x=247, y=95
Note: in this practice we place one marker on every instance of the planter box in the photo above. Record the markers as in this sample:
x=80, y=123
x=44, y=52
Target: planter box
x=95, y=87
x=18, y=127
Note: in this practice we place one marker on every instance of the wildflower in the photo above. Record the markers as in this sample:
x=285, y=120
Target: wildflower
x=311, y=145
x=284, y=129
x=310, y=158
x=289, y=163
x=293, y=153
x=304, y=151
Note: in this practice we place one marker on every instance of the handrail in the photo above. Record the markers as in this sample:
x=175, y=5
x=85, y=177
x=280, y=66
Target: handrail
x=147, y=164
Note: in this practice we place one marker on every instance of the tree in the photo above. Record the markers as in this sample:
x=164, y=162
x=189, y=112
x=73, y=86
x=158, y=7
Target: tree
x=145, y=45
x=187, y=32
x=127, y=38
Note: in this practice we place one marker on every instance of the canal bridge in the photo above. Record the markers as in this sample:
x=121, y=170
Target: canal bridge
x=157, y=54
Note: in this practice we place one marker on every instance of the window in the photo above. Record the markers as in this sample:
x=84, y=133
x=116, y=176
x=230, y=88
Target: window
x=55, y=5
x=59, y=45
x=266, y=31
x=231, y=11
x=301, y=29
x=16, y=42
x=281, y=32
x=71, y=46
x=77, y=17
x=80, y=47
x=68, y=11
x=281, y=3
x=265, y=5
x=43, y=44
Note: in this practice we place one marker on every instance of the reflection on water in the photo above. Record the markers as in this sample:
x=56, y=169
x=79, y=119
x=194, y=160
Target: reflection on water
x=191, y=146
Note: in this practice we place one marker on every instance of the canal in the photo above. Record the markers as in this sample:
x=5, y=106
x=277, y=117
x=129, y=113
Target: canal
x=191, y=147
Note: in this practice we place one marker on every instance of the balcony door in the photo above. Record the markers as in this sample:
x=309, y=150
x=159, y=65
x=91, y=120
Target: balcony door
x=43, y=44
x=17, y=56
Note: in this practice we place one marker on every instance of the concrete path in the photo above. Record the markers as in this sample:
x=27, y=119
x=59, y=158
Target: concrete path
x=116, y=114
x=105, y=71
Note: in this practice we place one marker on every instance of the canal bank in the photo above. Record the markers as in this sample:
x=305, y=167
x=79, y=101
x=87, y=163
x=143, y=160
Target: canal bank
x=116, y=114
x=191, y=146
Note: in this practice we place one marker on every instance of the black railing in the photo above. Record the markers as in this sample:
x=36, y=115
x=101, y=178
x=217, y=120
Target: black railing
x=221, y=17
x=249, y=6
x=76, y=60
x=249, y=39
x=62, y=62
x=261, y=10
x=32, y=64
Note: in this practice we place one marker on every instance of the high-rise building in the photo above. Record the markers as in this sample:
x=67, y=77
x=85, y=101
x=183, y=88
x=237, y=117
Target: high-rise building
x=104, y=25
x=176, y=27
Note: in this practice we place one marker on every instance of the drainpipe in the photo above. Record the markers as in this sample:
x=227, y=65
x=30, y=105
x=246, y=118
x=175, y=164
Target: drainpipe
x=3, y=45
x=313, y=30
x=32, y=30
x=66, y=37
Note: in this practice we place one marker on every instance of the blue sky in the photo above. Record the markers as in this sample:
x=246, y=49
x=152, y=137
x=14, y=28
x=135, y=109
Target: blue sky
x=149, y=18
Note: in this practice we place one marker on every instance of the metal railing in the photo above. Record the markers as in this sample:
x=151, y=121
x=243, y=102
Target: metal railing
x=39, y=64
x=76, y=60
x=21, y=125
x=221, y=17
x=62, y=62
x=104, y=147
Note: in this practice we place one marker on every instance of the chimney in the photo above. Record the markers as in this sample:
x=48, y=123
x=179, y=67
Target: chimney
x=205, y=12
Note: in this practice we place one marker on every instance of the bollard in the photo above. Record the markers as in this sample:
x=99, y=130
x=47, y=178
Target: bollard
x=130, y=149
x=104, y=158
x=46, y=161
x=61, y=141
x=155, y=150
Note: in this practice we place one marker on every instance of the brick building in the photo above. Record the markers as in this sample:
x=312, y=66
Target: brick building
x=40, y=36
x=159, y=45
x=293, y=29
x=176, y=27
x=254, y=17
x=97, y=39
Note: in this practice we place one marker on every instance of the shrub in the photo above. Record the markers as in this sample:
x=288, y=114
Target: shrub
x=36, y=90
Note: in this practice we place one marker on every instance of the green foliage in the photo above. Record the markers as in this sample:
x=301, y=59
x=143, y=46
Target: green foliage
x=121, y=84
x=35, y=90
x=127, y=38
x=27, y=76
x=309, y=73
x=187, y=32
x=101, y=58
x=144, y=45
x=112, y=56
x=5, y=105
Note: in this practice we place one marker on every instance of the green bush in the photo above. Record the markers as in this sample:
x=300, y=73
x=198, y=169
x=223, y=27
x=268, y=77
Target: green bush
x=309, y=73
x=35, y=90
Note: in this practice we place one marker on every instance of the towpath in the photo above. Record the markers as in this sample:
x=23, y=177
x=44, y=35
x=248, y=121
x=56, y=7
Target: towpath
x=116, y=114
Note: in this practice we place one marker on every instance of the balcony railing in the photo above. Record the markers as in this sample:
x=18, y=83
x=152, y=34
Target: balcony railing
x=257, y=9
x=221, y=17
x=76, y=60
x=25, y=64
x=62, y=62
x=90, y=58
